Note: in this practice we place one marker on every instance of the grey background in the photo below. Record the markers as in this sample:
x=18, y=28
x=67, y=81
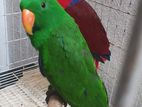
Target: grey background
x=117, y=17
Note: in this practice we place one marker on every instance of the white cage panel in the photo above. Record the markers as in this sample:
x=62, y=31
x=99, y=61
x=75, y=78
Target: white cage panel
x=3, y=45
x=16, y=48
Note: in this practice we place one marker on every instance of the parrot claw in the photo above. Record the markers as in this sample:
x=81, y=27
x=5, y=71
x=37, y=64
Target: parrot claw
x=52, y=92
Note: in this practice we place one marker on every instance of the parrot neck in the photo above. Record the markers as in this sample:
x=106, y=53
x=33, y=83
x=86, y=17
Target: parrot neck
x=41, y=36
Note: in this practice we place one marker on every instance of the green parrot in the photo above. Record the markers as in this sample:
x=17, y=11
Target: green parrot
x=65, y=56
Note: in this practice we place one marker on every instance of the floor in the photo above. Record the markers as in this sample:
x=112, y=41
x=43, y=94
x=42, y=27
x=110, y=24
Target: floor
x=29, y=91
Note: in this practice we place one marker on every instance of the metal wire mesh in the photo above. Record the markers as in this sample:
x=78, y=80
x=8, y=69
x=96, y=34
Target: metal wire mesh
x=29, y=91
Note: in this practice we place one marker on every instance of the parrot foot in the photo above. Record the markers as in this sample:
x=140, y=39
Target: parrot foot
x=52, y=92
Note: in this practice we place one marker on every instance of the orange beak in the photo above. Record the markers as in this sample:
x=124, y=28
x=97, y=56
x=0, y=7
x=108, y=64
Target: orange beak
x=28, y=19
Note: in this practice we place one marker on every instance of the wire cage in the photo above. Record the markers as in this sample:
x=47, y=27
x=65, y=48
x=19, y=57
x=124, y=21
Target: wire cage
x=17, y=54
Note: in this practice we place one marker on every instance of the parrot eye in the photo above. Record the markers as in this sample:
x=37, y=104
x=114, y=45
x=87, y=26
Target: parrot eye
x=43, y=5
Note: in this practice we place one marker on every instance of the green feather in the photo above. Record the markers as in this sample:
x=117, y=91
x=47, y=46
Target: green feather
x=66, y=59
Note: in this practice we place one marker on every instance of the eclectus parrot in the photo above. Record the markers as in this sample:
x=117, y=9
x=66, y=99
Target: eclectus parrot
x=90, y=27
x=65, y=57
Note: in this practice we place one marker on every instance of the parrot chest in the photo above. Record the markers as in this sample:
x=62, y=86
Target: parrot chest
x=57, y=56
x=60, y=69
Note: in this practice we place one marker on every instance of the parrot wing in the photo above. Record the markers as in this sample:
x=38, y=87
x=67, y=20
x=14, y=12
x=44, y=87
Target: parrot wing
x=91, y=28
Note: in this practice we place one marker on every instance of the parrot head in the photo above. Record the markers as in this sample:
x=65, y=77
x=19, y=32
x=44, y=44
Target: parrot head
x=39, y=16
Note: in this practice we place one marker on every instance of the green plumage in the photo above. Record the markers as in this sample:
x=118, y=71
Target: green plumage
x=66, y=59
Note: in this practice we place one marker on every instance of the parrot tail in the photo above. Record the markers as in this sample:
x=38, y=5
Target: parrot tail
x=101, y=58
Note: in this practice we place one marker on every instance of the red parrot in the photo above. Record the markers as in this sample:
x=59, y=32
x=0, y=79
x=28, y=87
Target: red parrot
x=90, y=26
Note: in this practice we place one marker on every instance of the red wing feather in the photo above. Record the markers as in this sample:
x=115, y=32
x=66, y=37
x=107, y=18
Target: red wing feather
x=90, y=26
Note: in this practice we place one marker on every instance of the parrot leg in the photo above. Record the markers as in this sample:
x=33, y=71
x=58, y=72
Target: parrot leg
x=52, y=92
